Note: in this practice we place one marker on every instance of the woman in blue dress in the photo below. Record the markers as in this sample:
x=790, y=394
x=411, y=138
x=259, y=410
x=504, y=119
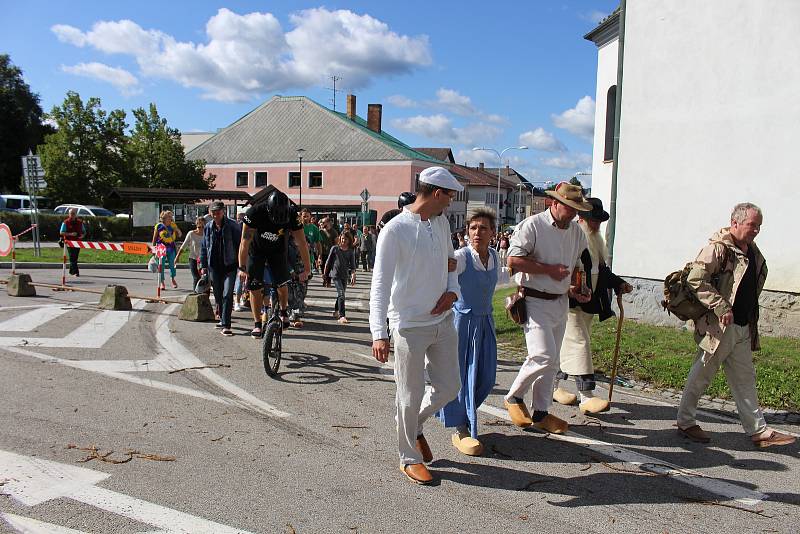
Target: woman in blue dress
x=477, y=268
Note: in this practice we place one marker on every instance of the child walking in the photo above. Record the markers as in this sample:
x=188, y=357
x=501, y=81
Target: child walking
x=341, y=266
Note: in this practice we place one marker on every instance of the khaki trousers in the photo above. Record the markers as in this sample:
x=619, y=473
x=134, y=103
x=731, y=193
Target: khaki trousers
x=432, y=348
x=736, y=359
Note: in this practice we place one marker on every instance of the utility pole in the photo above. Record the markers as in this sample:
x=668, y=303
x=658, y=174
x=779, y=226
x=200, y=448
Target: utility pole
x=334, y=79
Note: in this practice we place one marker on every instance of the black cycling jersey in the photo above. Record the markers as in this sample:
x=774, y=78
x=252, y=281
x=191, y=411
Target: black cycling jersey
x=270, y=236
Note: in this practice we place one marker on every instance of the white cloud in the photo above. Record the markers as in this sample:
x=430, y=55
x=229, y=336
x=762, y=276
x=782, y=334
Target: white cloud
x=540, y=139
x=578, y=120
x=401, y=101
x=455, y=102
x=123, y=80
x=247, y=55
x=440, y=128
x=577, y=162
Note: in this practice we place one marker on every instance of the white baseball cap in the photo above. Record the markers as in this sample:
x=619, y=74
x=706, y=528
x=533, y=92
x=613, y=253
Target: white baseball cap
x=440, y=177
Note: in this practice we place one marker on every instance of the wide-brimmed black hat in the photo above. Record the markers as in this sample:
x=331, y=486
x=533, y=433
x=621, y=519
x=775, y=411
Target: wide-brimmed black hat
x=597, y=213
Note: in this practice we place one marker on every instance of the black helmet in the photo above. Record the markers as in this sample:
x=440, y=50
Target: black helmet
x=405, y=199
x=278, y=207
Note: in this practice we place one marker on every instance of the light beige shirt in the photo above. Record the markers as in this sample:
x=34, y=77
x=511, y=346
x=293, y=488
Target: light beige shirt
x=538, y=238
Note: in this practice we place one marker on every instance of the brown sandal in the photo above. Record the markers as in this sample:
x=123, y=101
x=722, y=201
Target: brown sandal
x=774, y=438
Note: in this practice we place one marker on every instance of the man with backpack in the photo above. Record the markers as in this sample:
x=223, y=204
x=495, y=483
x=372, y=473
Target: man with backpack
x=727, y=278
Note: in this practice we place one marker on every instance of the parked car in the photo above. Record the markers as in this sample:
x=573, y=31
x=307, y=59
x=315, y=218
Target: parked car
x=22, y=203
x=83, y=210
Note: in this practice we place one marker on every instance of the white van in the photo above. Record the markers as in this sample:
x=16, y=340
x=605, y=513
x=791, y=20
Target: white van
x=21, y=203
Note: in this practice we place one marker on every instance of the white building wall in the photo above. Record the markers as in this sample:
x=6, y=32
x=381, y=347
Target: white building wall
x=710, y=118
x=606, y=77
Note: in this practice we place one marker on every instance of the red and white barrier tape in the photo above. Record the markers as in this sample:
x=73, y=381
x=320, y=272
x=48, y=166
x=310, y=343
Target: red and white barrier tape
x=25, y=231
x=95, y=245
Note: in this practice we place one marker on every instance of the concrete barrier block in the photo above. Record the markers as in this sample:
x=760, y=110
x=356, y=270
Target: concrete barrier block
x=197, y=307
x=19, y=285
x=115, y=298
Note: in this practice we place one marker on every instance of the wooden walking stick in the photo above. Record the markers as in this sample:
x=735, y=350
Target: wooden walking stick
x=616, y=348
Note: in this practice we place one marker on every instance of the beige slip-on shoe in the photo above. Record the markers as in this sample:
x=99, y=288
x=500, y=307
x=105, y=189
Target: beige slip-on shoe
x=562, y=396
x=466, y=444
x=593, y=405
x=551, y=424
x=518, y=413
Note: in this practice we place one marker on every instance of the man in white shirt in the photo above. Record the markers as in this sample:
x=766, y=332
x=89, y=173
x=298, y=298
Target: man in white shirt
x=412, y=286
x=544, y=250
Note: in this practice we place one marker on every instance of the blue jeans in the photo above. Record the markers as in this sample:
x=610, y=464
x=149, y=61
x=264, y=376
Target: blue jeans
x=341, y=286
x=222, y=283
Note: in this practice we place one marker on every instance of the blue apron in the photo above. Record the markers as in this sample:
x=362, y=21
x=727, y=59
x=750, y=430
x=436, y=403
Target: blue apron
x=477, y=345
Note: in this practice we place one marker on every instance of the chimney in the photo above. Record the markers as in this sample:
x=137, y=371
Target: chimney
x=374, y=112
x=480, y=165
x=351, y=107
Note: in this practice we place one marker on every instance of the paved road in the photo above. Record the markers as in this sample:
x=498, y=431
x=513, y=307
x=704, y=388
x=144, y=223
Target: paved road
x=314, y=450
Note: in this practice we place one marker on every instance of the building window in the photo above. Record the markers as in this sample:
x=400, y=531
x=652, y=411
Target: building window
x=294, y=179
x=315, y=179
x=611, y=113
x=242, y=178
x=261, y=178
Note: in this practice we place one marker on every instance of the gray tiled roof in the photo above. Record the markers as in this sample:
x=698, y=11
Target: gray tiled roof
x=274, y=131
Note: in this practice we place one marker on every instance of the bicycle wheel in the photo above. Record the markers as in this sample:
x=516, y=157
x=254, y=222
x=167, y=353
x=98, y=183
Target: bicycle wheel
x=272, y=347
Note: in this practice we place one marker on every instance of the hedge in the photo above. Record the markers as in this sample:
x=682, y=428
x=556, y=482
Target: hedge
x=97, y=228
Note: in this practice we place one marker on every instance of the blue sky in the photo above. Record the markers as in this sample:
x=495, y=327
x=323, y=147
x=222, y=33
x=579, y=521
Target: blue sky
x=455, y=74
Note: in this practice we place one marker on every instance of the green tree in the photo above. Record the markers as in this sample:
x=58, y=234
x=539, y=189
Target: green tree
x=86, y=156
x=157, y=157
x=21, y=127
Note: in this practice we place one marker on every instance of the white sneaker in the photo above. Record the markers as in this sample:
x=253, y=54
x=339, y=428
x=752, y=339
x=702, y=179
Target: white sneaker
x=237, y=307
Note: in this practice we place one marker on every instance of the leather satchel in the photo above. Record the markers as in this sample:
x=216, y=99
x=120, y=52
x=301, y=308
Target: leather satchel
x=515, y=306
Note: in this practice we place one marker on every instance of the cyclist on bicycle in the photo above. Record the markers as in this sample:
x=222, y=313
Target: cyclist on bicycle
x=264, y=241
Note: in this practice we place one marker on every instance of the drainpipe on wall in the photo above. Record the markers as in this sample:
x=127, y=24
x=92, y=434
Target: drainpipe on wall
x=612, y=208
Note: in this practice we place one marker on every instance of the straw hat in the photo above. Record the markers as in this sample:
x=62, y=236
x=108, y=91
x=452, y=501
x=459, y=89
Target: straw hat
x=571, y=195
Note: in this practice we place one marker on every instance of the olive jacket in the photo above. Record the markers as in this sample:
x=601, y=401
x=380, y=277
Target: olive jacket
x=716, y=284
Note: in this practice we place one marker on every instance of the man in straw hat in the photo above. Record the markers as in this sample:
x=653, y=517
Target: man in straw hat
x=576, y=351
x=544, y=250
x=411, y=284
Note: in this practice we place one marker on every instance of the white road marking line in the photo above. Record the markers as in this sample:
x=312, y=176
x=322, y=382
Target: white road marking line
x=359, y=305
x=107, y=370
x=33, y=319
x=637, y=460
x=27, y=525
x=33, y=481
x=650, y=464
x=7, y=308
x=188, y=359
x=91, y=335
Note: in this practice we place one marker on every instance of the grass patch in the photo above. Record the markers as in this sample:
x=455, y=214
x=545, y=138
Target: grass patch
x=54, y=255
x=663, y=355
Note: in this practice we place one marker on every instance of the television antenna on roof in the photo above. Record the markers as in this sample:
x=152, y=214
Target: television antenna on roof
x=334, y=79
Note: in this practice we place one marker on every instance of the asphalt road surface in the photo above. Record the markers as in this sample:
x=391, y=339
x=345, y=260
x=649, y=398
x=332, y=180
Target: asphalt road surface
x=204, y=441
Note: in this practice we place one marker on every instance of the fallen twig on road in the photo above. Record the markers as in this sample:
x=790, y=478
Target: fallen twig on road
x=706, y=502
x=95, y=454
x=527, y=486
x=348, y=426
x=219, y=438
x=497, y=422
x=209, y=366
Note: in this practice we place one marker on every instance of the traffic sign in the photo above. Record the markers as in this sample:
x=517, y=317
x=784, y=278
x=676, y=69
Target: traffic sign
x=136, y=248
x=365, y=195
x=5, y=240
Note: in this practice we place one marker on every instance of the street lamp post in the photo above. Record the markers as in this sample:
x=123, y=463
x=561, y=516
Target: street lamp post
x=300, y=156
x=499, y=170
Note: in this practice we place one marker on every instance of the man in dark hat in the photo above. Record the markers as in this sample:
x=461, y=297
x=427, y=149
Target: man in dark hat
x=545, y=250
x=576, y=350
